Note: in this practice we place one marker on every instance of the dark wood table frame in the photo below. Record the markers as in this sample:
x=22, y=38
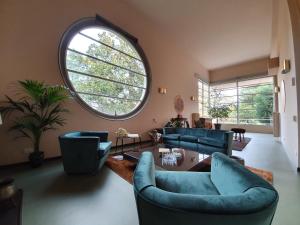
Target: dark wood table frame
x=126, y=137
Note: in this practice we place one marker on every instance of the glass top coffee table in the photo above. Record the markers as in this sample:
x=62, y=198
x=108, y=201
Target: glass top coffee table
x=176, y=160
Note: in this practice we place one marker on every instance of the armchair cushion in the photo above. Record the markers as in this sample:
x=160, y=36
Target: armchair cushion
x=104, y=146
x=232, y=178
x=177, y=182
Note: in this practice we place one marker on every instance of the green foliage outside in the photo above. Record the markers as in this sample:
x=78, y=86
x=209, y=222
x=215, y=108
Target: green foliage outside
x=38, y=110
x=256, y=105
x=127, y=94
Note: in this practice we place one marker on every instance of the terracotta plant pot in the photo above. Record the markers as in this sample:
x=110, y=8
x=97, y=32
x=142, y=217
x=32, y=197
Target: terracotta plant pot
x=36, y=159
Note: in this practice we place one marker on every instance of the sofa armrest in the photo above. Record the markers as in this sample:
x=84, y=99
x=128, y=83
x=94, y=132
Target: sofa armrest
x=229, y=138
x=103, y=135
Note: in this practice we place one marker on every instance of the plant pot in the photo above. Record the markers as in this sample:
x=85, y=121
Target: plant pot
x=36, y=159
x=217, y=126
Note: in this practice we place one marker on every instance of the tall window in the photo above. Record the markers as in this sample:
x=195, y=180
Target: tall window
x=105, y=68
x=203, y=91
x=251, y=101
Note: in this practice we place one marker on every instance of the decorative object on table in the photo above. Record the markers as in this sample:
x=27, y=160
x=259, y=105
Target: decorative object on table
x=169, y=159
x=84, y=151
x=121, y=132
x=240, y=145
x=155, y=136
x=286, y=66
x=162, y=90
x=179, y=105
x=133, y=137
x=160, y=193
x=179, y=122
x=10, y=202
x=239, y=132
x=38, y=110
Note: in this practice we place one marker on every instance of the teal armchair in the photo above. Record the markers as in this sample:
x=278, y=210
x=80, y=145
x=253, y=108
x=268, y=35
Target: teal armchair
x=228, y=195
x=84, y=151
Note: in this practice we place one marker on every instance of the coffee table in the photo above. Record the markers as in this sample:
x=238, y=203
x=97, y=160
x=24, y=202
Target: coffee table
x=190, y=160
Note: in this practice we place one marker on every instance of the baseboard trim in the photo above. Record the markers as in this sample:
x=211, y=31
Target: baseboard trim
x=22, y=164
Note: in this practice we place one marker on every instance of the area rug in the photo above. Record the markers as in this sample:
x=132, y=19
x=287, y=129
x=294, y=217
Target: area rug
x=240, y=145
x=125, y=168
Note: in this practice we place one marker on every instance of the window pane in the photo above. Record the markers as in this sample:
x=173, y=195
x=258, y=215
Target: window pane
x=105, y=70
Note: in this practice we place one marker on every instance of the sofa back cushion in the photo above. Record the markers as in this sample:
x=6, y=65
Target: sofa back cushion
x=231, y=178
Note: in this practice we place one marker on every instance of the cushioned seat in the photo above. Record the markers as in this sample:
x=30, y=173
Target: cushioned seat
x=212, y=142
x=176, y=182
x=189, y=138
x=104, y=146
x=229, y=195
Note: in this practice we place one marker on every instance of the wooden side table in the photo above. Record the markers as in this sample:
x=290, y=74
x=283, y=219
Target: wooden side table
x=129, y=136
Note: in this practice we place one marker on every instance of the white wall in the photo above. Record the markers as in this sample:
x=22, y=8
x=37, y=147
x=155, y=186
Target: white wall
x=285, y=50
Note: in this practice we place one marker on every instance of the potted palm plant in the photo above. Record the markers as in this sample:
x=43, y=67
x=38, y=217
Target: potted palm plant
x=219, y=112
x=37, y=111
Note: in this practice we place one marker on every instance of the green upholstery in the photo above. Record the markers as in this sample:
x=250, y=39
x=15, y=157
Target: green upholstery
x=221, y=197
x=84, y=152
x=205, y=141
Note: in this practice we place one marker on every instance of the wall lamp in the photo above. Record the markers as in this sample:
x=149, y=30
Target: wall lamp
x=162, y=90
x=276, y=89
x=193, y=98
x=286, y=66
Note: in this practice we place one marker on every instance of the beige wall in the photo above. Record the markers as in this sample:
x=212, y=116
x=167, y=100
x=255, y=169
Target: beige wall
x=30, y=35
x=246, y=69
x=294, y=7
x=285, y=50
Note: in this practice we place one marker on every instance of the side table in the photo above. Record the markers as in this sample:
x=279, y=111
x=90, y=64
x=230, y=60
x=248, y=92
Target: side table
x=129, y=136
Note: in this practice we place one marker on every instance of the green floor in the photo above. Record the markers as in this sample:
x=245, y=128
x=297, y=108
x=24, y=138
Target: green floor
x=52, y=198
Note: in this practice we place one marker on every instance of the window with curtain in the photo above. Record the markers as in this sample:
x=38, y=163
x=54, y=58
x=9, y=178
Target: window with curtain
x=251, y=100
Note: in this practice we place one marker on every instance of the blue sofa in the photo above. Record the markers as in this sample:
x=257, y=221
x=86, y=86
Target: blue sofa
x=228, y=195
x=205, y=141
x=84, y=151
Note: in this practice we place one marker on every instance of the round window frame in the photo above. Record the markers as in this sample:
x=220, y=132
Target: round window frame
x=68, y=35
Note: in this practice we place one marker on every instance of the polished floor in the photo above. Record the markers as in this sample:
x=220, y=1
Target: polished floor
x=52, y=198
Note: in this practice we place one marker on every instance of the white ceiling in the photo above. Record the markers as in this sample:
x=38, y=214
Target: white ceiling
x=217, y=32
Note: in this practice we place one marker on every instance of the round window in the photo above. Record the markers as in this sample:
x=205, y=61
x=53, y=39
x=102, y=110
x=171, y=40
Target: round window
x=105, y=69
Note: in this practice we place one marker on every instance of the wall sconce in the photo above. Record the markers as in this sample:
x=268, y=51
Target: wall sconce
x=162, y=90
x=286, y=66
x=193, y=98
x=276, y=89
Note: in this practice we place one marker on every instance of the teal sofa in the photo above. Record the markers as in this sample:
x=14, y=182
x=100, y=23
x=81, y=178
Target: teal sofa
x=84, y=151
x=206, y=141
x=228, y=195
